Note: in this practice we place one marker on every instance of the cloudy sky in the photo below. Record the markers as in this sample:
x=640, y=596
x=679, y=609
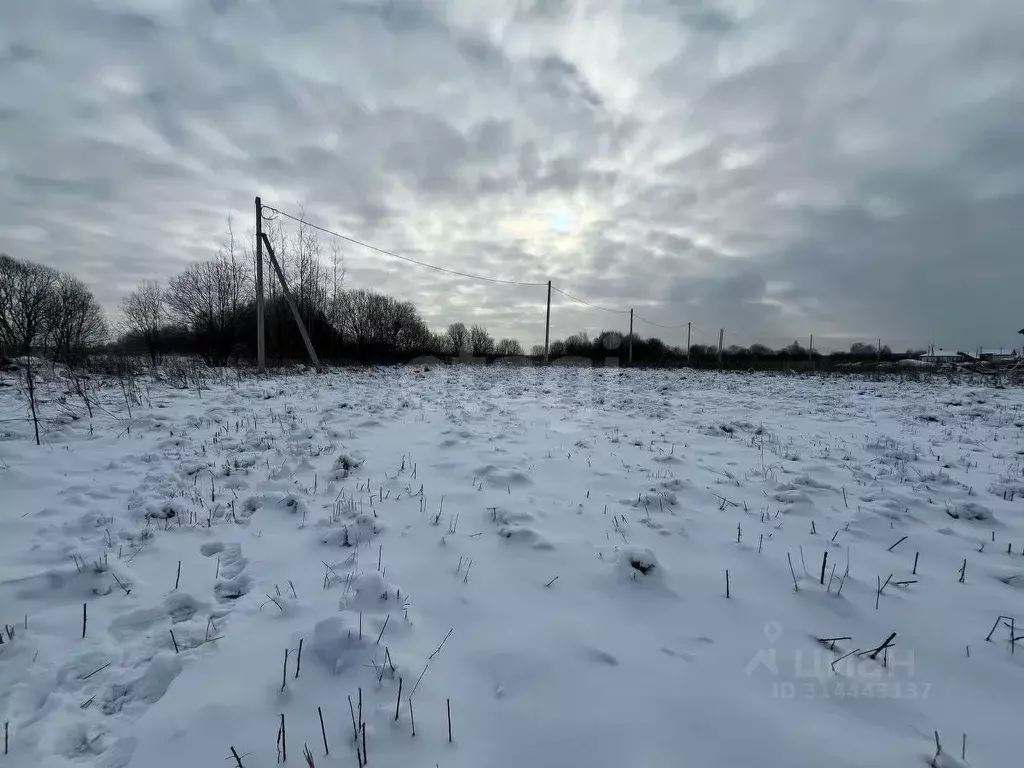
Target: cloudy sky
x=847, y=168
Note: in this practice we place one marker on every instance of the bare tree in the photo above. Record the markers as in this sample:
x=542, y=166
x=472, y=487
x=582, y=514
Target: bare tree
x=380, y=324
x=26, y=303
x=309, y=279
x=210, y=298
x=458, y=339
x=577, y=344
x=510, y=348
x=337, y=279
x=76, y=321
x=143, y=311
x=481, y=341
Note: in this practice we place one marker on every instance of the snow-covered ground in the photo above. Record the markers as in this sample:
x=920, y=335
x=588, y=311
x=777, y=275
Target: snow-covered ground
x=546, y=551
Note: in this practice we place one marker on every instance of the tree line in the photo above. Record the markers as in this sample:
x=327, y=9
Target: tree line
x=209, y=310
x=46, y=311
x=613, y=348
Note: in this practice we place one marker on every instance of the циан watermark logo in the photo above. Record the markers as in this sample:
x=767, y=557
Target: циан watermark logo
x=830, y=670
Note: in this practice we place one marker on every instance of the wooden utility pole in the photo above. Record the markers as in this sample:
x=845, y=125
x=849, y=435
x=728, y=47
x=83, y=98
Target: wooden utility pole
x=547, y=325
x=721, y=338
x=810, y=349
x=261, y=347
x=688, y=343
x=879, y=350
x=631, y=337
x=291, y=303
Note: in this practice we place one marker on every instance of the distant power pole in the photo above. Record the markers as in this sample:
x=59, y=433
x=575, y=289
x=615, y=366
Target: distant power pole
x=631, y=336
x=721, y=338
x=547, y=325
x=688, y=343
x=810, y=349
x=879, y=350
x=261, y=347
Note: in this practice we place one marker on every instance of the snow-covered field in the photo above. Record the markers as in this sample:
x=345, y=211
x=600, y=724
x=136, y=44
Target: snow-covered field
x=546, y=551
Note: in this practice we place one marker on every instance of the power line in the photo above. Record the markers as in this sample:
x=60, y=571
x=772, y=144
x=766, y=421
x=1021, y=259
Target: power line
x=588, y=304
x=484, y=278
x=384, y=252
x=657, y=325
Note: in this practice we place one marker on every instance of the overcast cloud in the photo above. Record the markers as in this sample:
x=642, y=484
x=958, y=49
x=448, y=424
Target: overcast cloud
x=847, y=168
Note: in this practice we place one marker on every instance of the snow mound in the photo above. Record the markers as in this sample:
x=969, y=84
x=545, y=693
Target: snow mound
x=337, y=646
x=639, y=564
x=350, y=534
x=970, y=510
x=522, y=534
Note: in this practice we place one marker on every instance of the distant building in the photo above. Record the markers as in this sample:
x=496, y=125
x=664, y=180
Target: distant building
x=998, y=355
x=945, y=356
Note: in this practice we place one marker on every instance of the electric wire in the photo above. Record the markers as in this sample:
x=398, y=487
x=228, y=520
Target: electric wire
x=409, y=259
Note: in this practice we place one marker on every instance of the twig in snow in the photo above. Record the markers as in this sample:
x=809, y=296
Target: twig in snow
x=873, y=653
x=431, y=656
x=988, y=638
x=95, y=671
x=298, y=659
x=352, y=711
x=398, y=700
x=880, y=588
x=284, y=671
x=938, y=751
x=417, y=685
x=963, y=571
x=904, y=538
x=803, y=564
x=844, y=656
x=449, y=721
x=282, y=744
x=386, y=620
x=127, y=591
x=238, y=760
x=551, y=582
x=796, y=587
x=323, y=731
x=173, y=640
x=831, y=641
x=307, y=756
x=272, y=600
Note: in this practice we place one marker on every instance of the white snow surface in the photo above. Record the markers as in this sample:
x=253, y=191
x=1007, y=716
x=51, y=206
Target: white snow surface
x=545, y=549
